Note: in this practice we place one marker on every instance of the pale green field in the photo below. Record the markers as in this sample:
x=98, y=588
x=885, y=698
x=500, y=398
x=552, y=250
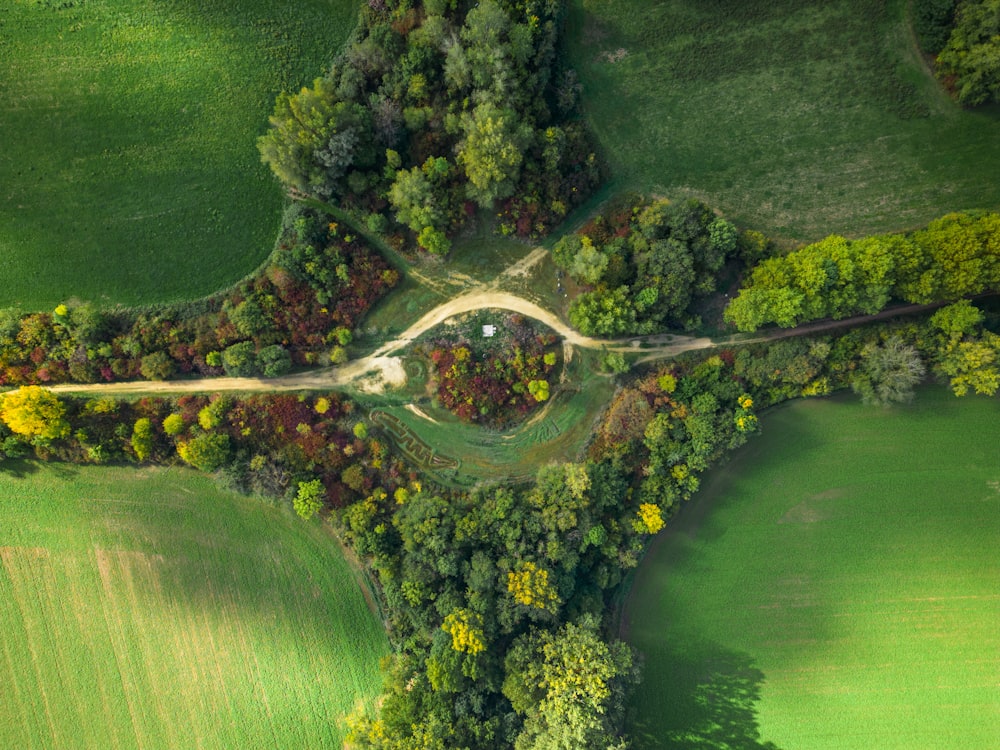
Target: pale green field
x=838, y=582
x=147, y=609
x=795, y=117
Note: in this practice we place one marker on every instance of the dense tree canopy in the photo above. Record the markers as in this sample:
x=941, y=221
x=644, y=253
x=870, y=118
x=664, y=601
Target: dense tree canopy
x=972, y=54
x=646, y=266
x=468, y=89
x=955, y=256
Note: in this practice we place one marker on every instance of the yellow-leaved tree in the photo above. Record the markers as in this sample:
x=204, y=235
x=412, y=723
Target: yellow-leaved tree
x=466, y=631
x=530, y=586
x=34, y=413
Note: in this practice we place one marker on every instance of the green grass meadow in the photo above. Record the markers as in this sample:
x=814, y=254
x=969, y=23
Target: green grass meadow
x=146, y=608
x=795, y=117
x=837, y=581
x=129, y=169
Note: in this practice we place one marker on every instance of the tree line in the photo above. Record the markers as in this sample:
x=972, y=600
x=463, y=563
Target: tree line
x=955, y=256
x=299, y=309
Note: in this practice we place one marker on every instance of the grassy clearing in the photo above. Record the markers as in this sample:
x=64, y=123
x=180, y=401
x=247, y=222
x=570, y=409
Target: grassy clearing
x=845, y=565
x=129, y=168
x=795, y=117
x=461, y=454
x=149, y=609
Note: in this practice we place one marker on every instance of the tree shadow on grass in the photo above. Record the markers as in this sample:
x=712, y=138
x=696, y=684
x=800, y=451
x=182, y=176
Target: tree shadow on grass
x=708, y=701
x=19, y=468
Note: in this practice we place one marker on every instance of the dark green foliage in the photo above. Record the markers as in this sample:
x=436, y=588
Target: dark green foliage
x=418, y=85
x=972, y=55
x=240, y=360
x=932, y=21
x=157, y=366
x=274, y=361
x=647, y=265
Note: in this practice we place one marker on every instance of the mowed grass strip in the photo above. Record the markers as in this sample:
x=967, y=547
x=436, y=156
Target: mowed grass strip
x=795, y=117
x=846, y=565
x=129, y=169
x=149, y=609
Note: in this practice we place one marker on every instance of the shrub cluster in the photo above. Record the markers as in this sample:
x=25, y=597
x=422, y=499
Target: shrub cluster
x=264, y=444
x=317, y=284
x=436, y=107
x=494, y=381
x=645, y=265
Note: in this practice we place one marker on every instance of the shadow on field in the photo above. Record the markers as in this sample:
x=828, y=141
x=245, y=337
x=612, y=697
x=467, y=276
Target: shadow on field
x=710, y=703
x=19, y=468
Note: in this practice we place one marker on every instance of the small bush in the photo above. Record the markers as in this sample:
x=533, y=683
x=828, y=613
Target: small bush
x=157, y=366
x=240, y=360
x=274, y=361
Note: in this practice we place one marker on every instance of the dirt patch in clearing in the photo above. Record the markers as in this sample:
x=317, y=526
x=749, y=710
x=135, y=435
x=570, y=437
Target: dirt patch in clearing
x=388, y=372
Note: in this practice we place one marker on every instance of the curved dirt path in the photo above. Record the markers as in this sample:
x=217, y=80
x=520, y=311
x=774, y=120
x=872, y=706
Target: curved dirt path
x=381, y=367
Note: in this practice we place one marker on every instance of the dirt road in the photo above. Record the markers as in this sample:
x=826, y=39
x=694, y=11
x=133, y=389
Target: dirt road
x=383, y=366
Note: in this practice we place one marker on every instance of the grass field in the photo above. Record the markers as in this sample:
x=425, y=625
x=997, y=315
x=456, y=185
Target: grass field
x=149, y=609
x=843, y=568
x=795, y=117
x=129, y=169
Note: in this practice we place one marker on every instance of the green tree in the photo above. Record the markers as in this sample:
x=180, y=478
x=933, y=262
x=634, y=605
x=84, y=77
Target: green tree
x=539, y=389
x=965, y=353
x=309, y=499
x=570, y=686
x=604, y=312
x=142, y=439
x=972, y=54
x=206, y=452
x=972, y=365
x=240, y=360
x=888, y=373
x=157, y=366
x=315, y=138
x=492, y=152
x=589, y=263
x=932, y=20
x=274, y=361
x=173, y=424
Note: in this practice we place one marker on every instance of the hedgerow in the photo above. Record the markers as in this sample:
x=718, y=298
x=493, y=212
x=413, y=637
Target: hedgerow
x=317, y=284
